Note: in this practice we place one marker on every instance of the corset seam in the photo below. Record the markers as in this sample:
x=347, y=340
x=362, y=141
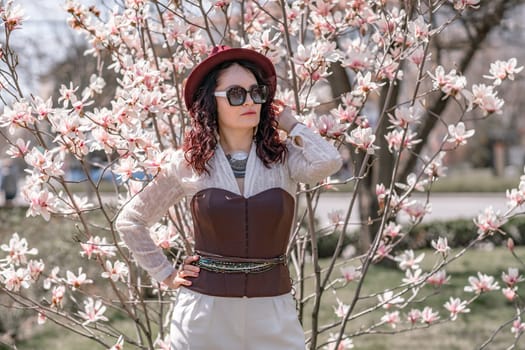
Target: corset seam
x=246, y=244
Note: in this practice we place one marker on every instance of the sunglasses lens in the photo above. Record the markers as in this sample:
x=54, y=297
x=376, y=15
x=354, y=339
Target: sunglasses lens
x=259, y=93
x=236, y=96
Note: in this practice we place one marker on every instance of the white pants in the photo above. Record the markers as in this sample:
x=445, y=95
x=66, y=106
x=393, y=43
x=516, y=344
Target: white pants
x=204, y=322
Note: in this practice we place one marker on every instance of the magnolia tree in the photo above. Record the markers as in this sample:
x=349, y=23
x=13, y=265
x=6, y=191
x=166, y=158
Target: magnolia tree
x=153, y=45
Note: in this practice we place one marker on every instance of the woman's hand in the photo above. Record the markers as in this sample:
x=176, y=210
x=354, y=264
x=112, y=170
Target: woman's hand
x=284, y=115
x=179, y=277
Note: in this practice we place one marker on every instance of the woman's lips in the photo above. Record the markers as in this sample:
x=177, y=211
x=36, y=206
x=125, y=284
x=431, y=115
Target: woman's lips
x=247, y=113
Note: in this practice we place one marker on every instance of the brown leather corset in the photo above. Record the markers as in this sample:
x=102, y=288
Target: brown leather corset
x=230, y=225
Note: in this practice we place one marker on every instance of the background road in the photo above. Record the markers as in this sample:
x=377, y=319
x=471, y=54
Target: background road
x=445, y=206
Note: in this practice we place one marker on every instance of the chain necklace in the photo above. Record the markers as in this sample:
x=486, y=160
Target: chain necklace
x=238, y=160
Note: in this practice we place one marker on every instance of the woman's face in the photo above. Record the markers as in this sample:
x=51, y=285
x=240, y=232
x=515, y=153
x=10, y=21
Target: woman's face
x=245, y=116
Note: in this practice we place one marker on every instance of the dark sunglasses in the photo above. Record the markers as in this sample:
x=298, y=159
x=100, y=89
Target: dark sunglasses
x=237, y=95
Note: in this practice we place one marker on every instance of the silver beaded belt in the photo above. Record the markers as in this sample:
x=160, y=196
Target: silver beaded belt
x=222, y=264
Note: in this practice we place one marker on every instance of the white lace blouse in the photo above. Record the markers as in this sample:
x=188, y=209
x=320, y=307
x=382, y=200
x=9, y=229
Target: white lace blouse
x=311, y=162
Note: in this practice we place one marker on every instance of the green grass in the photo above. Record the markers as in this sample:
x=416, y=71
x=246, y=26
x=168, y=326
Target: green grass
x=469, y=180
x=468, y=332
x=475, y=180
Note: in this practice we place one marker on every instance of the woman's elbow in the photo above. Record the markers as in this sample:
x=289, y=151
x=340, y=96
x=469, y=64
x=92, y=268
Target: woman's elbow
x=336, y=164
x=331, y=166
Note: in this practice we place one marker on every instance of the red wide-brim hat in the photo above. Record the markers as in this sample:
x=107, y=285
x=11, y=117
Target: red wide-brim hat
x=220, y=54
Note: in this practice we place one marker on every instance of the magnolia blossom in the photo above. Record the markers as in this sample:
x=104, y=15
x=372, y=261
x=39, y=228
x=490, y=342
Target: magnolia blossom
x=414, y=316
x=357, y=56
x=413, y=277
x=345, y=114
x=463, y=4
x=388, y=299
x=381, y=192
x=19, y=149
x=512, y=277
x=392, y=230
x=97, y=246
x=327, y=125
x=96, y=85
x=76, y=281
x=52, y=278
x=428, y=316
x=41, y=203
x=164, y=236
x=364, y=85
x=116, y=271
x=391, y=318
x=125, y=168
x=67, y=94
x=341, y=309
x=35, y=268
x=485, y=98
x=346, y=343
x=441, y=246
x=407, y=260
x=418, y=55
x=46, y=163
x=383, y=251
x=416, y=209
x=516, y=196
x=502, y=70
x=400, y=139
x=41, y=318
x=404, y=117
x=435, y=168
x=350, y=100
x=413, y=183
x=12, y=16
x=73, y=204
x=518, y=327
x=450, y=84
x=456, y=306
x=510, y=293
x=15, y=279
x=57, y=297
x=93, y=311
x=350, y=273
x=458, y=134
x=119, y=345
x=419, y=29
x=482, y=283
x=155, y=162
x=438, y=278
x=489, y=221
x=162, y=344
x=389, y=69
x=16, y=116
x=363, y=139
x=17, y=249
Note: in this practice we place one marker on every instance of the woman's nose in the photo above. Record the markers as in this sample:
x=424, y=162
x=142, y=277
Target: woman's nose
x=249, y=100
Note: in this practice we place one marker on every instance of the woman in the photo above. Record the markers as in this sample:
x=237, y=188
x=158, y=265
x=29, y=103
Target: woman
x=241, y=179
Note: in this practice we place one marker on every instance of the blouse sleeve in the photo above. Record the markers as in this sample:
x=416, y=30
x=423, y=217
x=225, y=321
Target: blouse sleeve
x=310, y=157
x=142, y=211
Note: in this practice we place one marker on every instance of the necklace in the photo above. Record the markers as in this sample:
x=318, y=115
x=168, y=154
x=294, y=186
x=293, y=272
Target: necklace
x=238, y=160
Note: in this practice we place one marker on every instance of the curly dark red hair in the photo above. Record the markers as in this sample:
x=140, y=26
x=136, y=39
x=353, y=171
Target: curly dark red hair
x=201, y=140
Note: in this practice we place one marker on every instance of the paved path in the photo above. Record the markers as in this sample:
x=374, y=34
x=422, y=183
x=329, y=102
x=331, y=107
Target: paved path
x=444, y=205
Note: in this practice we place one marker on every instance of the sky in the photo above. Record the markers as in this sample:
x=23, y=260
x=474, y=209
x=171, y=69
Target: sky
x=43, y=39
